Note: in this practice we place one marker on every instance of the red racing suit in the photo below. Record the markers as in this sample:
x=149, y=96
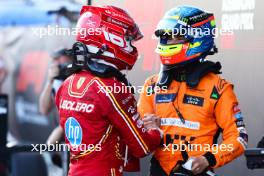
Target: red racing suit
x=99, y=117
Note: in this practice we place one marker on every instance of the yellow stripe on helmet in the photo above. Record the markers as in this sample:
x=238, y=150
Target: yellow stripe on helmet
x=176, y=17
x=194, y=45
x=168, y=50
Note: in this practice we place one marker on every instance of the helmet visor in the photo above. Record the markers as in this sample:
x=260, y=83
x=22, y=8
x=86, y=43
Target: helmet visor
x=166, y=25
x=134, y=33
x=172, y=39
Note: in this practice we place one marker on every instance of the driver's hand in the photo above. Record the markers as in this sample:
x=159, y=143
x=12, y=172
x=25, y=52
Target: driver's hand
x=151, y=121
x=199, y=164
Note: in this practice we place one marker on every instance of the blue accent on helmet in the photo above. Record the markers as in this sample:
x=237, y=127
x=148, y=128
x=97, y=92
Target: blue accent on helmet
x=184, y=11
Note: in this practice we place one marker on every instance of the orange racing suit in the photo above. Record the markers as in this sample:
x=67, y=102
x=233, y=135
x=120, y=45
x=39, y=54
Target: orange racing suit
x=195, y=116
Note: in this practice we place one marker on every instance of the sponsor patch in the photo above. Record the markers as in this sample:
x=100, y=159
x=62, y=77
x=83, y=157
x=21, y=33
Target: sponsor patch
x=76, y=106
x=174, y=138
x=127, y=99
x=165, y=98
x=135, y=117
x=139, y=123
x=132, y=109
x=193, y=100
x=73, y=131
x=242, y=142
x=243, y=133
x=238, y=116
x=80, y=82
x=240, y=123
x=215, y=95
x=177, y=122
x=244, y=136
x=242, y=130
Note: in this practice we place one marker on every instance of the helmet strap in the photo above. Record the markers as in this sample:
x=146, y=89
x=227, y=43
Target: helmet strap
x=85, y=62
x=212, y=51
x=192, y=75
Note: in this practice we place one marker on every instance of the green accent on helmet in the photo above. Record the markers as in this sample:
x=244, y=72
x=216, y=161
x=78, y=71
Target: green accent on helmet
x=213, y=23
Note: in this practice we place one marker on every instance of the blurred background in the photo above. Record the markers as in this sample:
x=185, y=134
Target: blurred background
x=25, y=57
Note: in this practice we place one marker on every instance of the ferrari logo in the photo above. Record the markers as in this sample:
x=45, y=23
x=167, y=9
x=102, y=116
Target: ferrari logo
x=80, y=82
